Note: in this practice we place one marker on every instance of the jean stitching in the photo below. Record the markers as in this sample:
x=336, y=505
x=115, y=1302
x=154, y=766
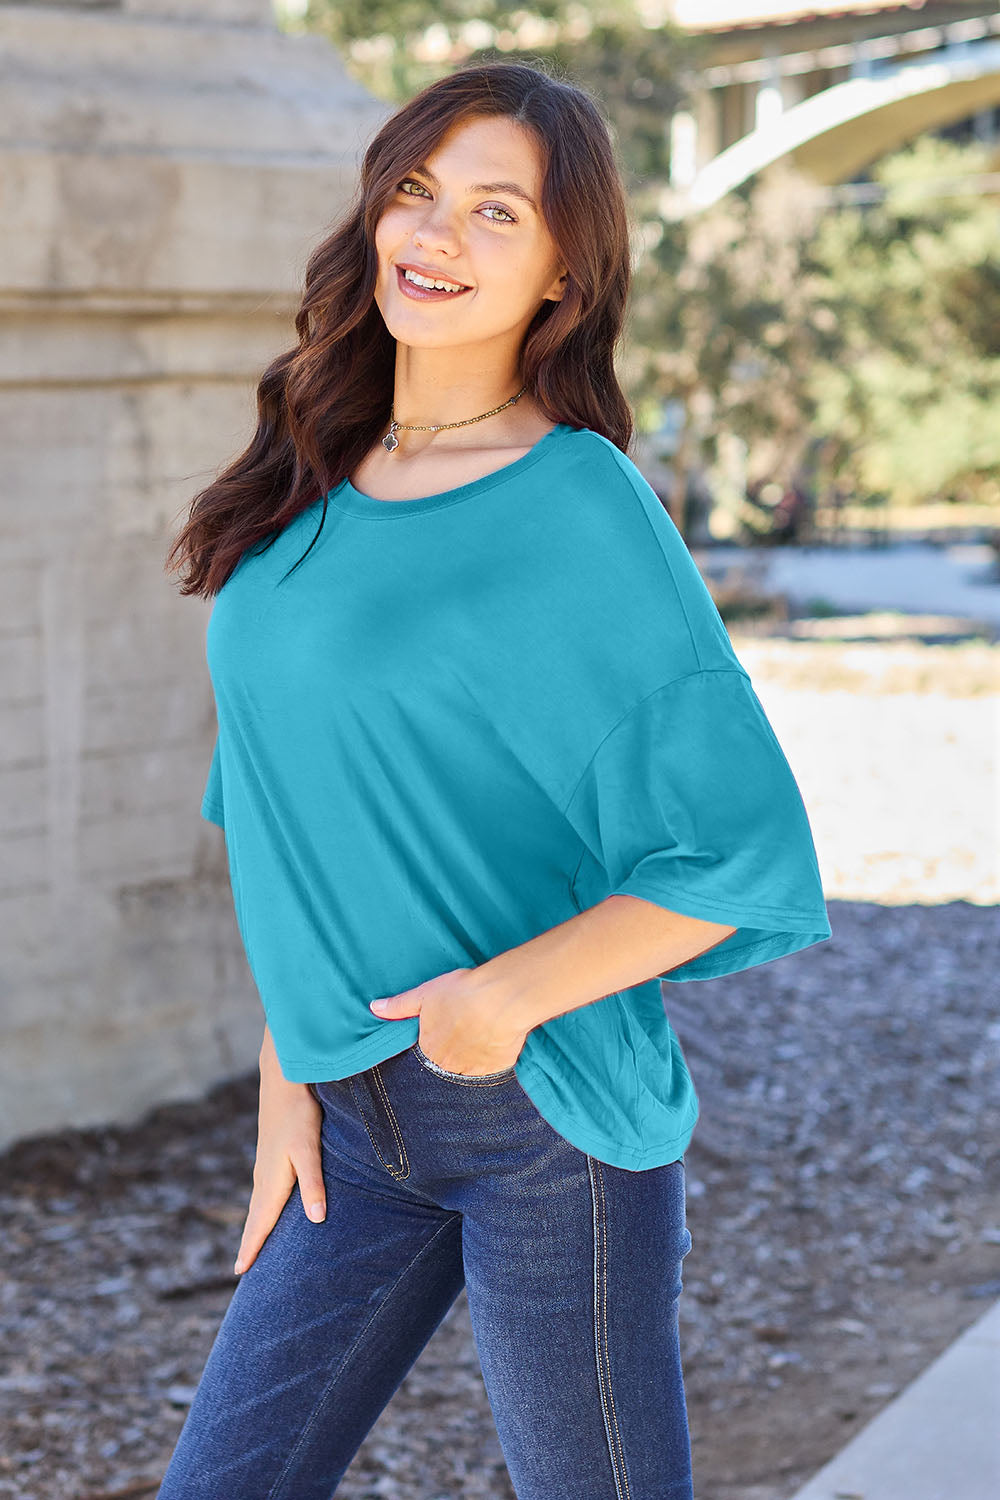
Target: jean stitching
x=404, y=1164
x=395, y=1171
x=275, y=1492
x=601, y=1329
x=467, y=1080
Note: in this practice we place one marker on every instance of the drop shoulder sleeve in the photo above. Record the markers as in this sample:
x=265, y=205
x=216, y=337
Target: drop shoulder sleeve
x=212, y=804
x=689, y=802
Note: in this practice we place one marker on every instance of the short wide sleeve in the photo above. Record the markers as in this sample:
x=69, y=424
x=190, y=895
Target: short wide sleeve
x=212, y=807
x=689, y=802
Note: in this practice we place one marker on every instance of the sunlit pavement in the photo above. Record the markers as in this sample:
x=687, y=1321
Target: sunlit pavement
x=959, y=580
x=938, y=1440
x=895, y=750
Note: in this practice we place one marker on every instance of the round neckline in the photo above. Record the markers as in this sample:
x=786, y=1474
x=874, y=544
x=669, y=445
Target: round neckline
x=356, y=503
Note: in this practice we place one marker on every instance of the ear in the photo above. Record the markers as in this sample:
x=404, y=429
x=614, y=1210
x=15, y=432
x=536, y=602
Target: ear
x=557, y=288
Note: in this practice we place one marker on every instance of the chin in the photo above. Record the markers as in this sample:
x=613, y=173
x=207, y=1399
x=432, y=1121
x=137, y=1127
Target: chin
x=416, y=332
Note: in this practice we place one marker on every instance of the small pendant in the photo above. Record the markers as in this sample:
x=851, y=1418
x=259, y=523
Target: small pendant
x=390, y=441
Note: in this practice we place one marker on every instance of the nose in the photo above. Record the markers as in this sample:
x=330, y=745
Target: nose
x=437, y=230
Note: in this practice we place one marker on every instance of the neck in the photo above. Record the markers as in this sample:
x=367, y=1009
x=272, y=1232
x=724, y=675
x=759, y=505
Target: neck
x=430, y=388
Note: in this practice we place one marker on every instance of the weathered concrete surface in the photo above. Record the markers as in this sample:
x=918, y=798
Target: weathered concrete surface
x=165, y=169
x=940, y=1439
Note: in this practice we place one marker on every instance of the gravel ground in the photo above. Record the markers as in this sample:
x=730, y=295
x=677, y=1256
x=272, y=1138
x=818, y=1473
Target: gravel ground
x=843, y=1181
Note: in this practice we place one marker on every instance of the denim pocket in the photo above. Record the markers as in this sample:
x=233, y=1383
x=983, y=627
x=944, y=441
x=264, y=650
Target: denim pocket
x=468, y=1079
x=379, y=1119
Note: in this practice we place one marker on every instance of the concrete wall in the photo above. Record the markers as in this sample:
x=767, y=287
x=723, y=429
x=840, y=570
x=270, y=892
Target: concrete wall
x=165, y=168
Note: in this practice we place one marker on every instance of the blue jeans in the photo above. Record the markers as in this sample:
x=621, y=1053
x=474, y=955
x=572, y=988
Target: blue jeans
x=437, y=1180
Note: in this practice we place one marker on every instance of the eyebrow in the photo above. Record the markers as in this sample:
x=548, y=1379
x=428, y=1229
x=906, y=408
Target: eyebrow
x=513, y=189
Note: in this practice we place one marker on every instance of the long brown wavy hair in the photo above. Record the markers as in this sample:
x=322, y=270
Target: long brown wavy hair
x=322, y=405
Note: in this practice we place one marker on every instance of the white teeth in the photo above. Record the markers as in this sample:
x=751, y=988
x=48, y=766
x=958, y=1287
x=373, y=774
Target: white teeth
x=444, y=286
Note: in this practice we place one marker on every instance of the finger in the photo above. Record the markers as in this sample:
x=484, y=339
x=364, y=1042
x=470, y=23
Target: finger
x=265, y=1208
x=309, y=1170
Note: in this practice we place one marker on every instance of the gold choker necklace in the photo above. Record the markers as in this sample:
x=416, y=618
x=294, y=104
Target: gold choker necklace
x=390, y=442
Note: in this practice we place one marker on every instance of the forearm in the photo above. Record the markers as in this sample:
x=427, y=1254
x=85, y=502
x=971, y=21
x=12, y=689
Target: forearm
x=620, y=942
x=270, y=1068
x=268, y=1057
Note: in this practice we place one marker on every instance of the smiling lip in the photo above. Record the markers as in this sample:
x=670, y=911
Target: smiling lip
x=423, y=293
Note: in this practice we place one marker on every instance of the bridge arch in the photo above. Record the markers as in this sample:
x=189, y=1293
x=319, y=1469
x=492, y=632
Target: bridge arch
x=835, y=134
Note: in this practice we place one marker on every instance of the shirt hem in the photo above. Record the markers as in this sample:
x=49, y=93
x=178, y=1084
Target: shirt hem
x=707, y=967
x=375, y=1049
x=611, y=1153
x=777, y=918
x=213, y=812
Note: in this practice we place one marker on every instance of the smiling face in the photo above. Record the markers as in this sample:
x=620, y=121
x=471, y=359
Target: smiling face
x=471, y=215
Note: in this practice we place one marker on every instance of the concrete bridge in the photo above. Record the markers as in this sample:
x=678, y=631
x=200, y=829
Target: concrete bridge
x=833, y=108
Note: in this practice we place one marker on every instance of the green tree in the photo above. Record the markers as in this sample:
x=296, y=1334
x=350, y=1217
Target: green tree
x=394, y=47
x=860, y=344
x=728, y=322
x=913, y=282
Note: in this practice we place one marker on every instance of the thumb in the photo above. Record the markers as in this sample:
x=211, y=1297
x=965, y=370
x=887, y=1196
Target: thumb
x=395, y=1007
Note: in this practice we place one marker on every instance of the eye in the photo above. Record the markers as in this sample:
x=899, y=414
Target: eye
x=490, y=209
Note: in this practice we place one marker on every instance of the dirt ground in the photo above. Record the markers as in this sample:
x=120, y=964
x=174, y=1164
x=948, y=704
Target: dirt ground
x=895, y=746
x=843, y=1181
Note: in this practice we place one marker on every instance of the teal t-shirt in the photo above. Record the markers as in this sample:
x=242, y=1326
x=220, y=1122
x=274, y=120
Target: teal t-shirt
x=464, y=718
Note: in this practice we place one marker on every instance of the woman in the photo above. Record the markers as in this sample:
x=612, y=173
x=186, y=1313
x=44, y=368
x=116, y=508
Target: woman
x=488, y=770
